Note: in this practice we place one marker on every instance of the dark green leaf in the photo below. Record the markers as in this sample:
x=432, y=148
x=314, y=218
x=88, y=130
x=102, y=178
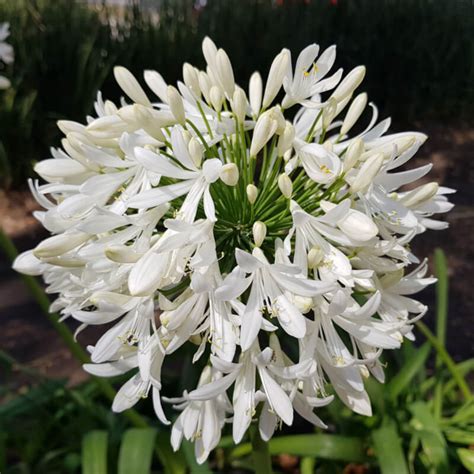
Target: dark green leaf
x=404, y=377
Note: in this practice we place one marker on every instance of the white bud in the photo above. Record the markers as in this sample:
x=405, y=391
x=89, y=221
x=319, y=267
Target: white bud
x=349, y=84
x=263, y=131
x=278, y=70
x=285, y=141
x=126, y=80
x=148, y=122
x=252, y=193
x=196, y=151
x=329, y=112
x=420, y=195
x=229, y=174
x=255, y=93
x=176, y=104
x=59, y=244
x=354, y=112
x=353, y=153
x=315, y=256
x=209, y=50
x=122, y=254
x=217, y=98
x=259, y=231
x=239, y=104
x=276, y=114
x=191, y=78
x=367, y=173
x=286, y=185
x=225, y=72
x=327, y=145
x=205, y=86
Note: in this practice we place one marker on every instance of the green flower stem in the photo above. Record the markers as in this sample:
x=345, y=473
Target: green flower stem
x=260, y=453
x=446, y=358
x=78, y=352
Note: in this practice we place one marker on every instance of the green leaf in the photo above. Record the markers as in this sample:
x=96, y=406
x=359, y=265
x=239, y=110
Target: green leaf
x=466, y=456
x=441, y=321
x=431, y=436
x=94, y=452
x=173, y=463
x=194, y=468
x=402, y=380
x=136, y=451
x=337, y=448
x=388, y=448
x=460, y=436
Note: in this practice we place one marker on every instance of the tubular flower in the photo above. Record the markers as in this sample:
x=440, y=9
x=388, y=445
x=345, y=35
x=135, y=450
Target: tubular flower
x=6, y=52
x=200, y=216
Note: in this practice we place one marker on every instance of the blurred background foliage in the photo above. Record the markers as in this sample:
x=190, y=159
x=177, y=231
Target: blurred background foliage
x=419, y=55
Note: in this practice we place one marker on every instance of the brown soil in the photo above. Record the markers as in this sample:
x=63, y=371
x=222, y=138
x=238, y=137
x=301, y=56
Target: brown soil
x=27, y=336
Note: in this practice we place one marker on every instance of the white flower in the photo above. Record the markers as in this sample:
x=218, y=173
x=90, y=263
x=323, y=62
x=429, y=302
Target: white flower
x=6, y=52
x=211, y=221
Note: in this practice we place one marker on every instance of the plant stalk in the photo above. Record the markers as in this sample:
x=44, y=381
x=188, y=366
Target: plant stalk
x=261, y=455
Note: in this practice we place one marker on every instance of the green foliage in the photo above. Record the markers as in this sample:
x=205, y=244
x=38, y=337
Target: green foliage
x=419, y=55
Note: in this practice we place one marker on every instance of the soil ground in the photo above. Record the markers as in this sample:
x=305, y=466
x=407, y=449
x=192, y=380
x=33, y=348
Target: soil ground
x=27, y=336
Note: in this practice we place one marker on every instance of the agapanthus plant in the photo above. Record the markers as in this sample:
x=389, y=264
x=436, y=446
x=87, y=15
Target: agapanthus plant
x=277, y=248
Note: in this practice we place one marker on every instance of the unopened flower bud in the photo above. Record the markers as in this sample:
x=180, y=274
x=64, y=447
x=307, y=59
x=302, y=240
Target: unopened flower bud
x=285, y=141
x=225, y=72
x=191, y=78
x=328, y=146
x=349, y=84
x=230, y=174
x=278, y=71
x=354, y=112
x=286, y=185
x=255, y=93
x=263, y=131
x=367, y=173
x=420, y=195
x=239, y=104
x=259, y=231
x=205, y=86
x=59, y=244
x=252, y=193
x=176, y=104
x=196, y=151
x=217, y=98
x=126, y=80
x=315, y=256
x=353, y=153
x=329, y=113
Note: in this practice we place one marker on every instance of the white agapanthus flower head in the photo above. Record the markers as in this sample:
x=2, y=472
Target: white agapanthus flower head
x=278, y=248
x=6, y=52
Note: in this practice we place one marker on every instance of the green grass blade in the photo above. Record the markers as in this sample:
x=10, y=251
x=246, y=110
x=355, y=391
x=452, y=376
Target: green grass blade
x=333, y=447
x=94, y=452
x=466, y=456
x=136, y=451
x=431, y=437
x=388, y=448
x=441, y=322
x=402, y=380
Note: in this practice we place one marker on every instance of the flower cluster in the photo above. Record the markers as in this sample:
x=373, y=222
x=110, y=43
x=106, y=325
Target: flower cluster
x=6, y=52
x=277, y=248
